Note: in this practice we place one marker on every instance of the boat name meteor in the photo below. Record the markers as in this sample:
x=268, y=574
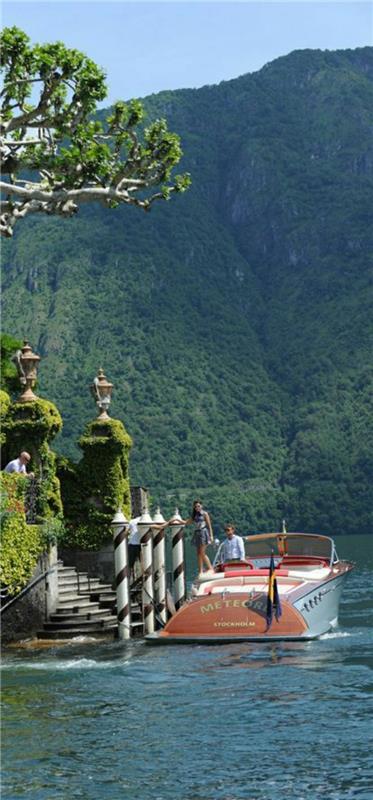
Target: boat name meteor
x=223, y=604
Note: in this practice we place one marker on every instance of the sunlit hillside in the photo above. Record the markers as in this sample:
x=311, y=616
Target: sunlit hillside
x=235, y=321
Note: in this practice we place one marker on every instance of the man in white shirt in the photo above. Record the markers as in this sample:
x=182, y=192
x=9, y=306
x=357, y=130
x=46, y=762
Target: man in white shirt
x=19, y=464
x=233, y=547
x=134, y=547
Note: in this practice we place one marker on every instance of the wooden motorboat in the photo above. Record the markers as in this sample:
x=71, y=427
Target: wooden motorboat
x=287, y=588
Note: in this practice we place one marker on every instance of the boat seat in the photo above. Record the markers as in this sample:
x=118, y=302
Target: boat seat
x=230, y=566
x=262, y=573
x=302, y=561
x=316, y=573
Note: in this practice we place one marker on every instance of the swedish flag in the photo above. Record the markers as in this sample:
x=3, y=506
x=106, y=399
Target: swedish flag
x=273, y=597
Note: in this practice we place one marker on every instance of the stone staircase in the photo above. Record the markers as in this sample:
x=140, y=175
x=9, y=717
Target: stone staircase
x=87, y=607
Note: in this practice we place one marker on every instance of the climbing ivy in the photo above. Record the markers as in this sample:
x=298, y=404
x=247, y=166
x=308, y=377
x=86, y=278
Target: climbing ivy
x=97, y=486
x=31, y=426
x=4, y=408
x=9, y=379
x=28, y=426
x=21, y=544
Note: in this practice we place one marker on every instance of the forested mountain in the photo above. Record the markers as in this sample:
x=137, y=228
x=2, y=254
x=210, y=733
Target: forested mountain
x=235, y=322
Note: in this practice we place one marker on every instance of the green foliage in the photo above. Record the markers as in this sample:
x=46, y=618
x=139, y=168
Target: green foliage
x=33, y=421
x=31, y=426
x=4, y=408
x=49, y=95
x=236, y=326
x=9, y=380
x=21, y=544
x=97, y=486
x=330, y=458
x=52, y=531
x=12, y=496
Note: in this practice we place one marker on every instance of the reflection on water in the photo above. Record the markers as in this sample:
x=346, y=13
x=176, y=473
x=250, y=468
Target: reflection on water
x=260, y=721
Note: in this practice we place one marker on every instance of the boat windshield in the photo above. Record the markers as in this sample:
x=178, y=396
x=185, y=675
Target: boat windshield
x=289, y=544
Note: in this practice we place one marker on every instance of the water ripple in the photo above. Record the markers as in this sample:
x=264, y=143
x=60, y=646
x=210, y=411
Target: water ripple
x=120, y=721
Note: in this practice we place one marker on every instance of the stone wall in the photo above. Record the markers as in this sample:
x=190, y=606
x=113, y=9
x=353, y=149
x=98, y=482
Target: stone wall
x=25, y=617
x=97, y=563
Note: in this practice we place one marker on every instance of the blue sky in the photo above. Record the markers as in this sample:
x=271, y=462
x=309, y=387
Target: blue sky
x=145, y=47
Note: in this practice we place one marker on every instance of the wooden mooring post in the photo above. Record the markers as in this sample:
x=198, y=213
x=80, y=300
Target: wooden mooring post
x=145, y=527
x=153, y=569
x=159, y=565
x=178, y=561
x=119, y=525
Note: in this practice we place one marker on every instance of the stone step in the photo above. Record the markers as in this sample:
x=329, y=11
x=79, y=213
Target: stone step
x=87, y=606
x=79, y=576
x=137, y=629
x=72, y=579
x=95, y=589
x=108, y=593
x=72, y=633
x=82, y=613
x=107, y=603
x=65, y=572
x=79, y=612
x=77, y=603
x=84, y=586
x=84, y=625
x=94, y=630
x=136, y=597
x=73, y=592
x=73, y=597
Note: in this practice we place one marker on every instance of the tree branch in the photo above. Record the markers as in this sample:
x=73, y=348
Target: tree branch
x=74, y=158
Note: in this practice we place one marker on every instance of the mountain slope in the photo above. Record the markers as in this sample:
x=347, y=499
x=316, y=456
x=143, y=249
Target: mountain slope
x=235, y=321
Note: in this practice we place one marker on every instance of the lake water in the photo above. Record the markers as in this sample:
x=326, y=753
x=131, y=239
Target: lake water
x=118, y=721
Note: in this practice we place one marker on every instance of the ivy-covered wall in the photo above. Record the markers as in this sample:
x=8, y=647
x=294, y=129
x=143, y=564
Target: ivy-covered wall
x=94, y=489
x=31, y=426
x=28, y=426
x=21, y=544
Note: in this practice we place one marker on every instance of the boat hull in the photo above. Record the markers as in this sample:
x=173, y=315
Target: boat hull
x=225, y=617
x=320, y=605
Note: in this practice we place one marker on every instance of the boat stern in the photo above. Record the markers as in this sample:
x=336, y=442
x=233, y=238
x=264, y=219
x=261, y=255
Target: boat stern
x=221, y=618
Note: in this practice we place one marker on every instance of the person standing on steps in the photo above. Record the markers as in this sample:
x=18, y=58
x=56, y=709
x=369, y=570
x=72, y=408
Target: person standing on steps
x=202, y=535
x=134, y=547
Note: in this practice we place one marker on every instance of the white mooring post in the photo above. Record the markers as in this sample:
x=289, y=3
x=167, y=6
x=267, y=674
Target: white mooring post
x=178, y=564
x=119, y=525
x=144, y=526
x=159, y=563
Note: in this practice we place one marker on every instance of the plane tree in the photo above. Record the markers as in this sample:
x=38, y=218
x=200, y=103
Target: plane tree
x=58, y=151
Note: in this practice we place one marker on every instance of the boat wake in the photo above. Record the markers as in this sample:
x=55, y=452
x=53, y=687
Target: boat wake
x=69, y=664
